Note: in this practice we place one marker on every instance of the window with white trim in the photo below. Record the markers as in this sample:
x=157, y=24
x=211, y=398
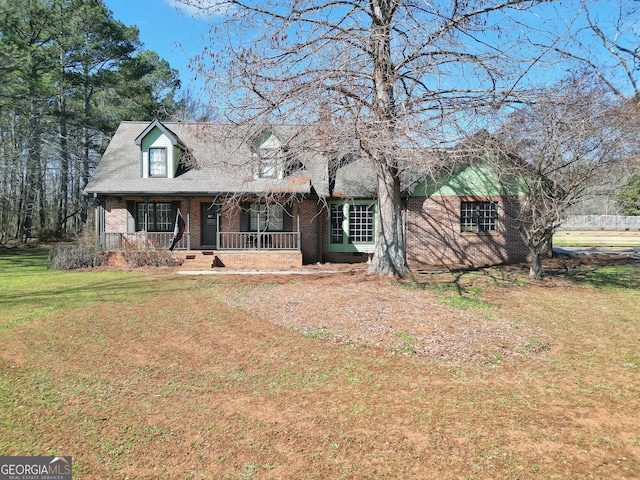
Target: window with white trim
x=268, y=156
x=479, y=217
x=361, y=218
x=269, y=163
x=157, y=162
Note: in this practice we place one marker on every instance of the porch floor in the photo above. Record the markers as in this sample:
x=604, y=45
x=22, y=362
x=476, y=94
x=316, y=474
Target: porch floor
x=245, y=259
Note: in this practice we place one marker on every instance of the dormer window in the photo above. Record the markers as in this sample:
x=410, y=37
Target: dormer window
x=160, y=151
x=269, y=157
x=269, y=164
x=157, y=162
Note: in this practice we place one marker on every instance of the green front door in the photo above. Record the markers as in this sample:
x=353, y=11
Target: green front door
x=209, y=217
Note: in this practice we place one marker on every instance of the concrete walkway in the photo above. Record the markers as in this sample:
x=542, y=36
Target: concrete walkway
x=223, y=271
x=309, y=270
x=633, y=252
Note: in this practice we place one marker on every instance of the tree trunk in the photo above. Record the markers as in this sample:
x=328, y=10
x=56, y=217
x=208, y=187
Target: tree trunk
x=390, y=256
x=390, y=253
x=535, y=270
x=33, y=183
x=537, y=251
x=63, y=192
x=84, y=176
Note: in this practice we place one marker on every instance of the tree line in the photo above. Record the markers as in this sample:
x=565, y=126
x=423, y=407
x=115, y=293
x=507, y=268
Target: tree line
x=69, y=73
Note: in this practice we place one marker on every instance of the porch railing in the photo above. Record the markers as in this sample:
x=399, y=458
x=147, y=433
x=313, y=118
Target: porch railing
x=155, y=240
x=226, y=240
x=259, y=241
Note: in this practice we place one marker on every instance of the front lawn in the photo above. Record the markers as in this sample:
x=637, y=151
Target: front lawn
x=150, y=374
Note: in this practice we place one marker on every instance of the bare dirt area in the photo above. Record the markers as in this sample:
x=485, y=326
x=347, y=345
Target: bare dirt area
x=362, y=310
x=442, y=316
x=439, y=314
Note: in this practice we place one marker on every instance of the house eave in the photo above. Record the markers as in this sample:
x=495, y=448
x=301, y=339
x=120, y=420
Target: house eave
x=175, y=140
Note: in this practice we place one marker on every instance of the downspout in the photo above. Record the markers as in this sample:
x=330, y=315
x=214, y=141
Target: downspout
x=298, y=227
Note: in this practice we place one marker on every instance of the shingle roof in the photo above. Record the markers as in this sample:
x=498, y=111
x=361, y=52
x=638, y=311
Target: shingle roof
x=223, y=156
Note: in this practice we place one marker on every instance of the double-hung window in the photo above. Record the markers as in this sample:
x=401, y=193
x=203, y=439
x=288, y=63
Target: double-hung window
x=160, y=217
x=264, y=217
x=269, y=163
x=479, y=217
x=157, y=162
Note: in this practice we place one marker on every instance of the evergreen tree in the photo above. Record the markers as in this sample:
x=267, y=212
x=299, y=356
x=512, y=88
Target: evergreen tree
x=69, y=73
x=628, y=197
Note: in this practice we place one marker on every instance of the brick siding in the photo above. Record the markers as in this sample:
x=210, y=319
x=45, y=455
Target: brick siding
x=434, y=236
x=432, y=223
x=115, y=216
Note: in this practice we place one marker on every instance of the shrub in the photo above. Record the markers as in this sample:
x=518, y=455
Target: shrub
x=69, y=257
x=48, y=235
x=140, y=257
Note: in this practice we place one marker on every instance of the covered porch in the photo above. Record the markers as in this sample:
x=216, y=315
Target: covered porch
x=244, y=250
x=215, y=234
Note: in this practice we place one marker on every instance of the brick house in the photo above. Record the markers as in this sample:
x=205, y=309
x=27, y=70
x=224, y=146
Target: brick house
x=269, y=198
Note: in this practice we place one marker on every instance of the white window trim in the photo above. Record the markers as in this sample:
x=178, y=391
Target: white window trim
x=348, y=244
x=269, y=217
x=166, y=162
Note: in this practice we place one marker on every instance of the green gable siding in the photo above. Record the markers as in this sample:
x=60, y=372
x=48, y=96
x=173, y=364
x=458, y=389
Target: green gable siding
x=177, y=153
x=475, y=180
x=150, y=138
x=156, y=138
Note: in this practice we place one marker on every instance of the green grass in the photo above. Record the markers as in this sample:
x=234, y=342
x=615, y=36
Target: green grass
x=29, y=291
x=597, y=239
x=620, y=276
x=456, y=295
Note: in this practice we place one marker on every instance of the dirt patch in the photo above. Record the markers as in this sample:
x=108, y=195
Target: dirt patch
x=442, y=316
x=412, y=318
x=417, y=317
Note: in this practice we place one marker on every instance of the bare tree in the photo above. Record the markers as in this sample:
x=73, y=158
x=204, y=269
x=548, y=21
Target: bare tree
x=606, y=44
x=574, y=138
x=393, y=76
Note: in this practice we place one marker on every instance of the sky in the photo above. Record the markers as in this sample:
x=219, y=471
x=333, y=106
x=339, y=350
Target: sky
x=175, y=34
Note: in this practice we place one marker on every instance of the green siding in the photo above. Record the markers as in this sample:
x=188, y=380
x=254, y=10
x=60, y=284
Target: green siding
x=150, y=138
x=156, y=138
x=478, y=179
x=177, y=153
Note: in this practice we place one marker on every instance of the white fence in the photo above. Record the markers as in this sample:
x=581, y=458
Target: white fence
x=601, y=222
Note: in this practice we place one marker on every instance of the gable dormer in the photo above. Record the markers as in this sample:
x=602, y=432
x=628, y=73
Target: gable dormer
x=160, y=151
x=268, y=155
